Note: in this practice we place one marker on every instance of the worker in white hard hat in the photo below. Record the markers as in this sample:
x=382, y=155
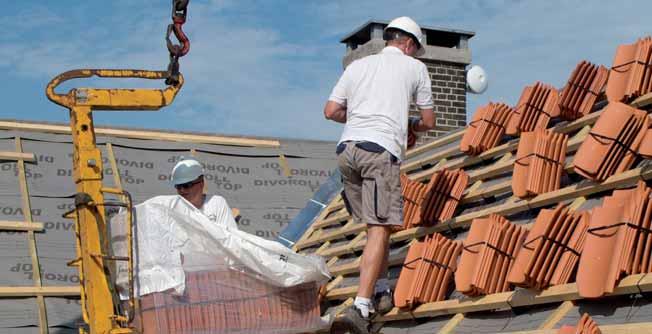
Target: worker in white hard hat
x=372, y=99
x=188, y=180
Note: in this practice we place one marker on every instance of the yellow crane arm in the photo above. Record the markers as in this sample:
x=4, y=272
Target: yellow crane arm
x=114, y=98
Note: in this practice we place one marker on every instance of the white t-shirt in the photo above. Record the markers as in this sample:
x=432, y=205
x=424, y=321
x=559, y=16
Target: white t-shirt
x=377, y=91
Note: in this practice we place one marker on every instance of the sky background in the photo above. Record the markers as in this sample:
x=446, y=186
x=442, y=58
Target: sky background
x=265, y=68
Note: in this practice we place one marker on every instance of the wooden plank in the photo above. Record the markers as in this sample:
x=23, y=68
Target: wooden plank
x=441, y=141
x=15, y=156
x=348, y=229
x=333, y=220
x=145, y=134
x=451, y=324
x=413, y=165
x=354, y=267
x=39, y=291
x=31, y=239
x=117, y=179
x=512, y=299
x=6, y=225
x=557, y=315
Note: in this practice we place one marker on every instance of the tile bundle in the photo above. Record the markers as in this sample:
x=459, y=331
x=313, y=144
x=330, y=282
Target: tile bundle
x=486, y=128
x=427, y=271
x=585, y=325
x=610, y=148
x=618, y=241
x=582, y=90
x=427, y=204
x=537, y=105
x=489, y=253
x=539, y=163
x=551, y=250
x=631, y=72
x=229, y=302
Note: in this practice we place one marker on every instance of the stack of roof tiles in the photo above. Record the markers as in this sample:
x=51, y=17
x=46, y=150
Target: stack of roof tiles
x=426, y=204
x=537, y=105
x=582, y=90
x=552, y=249
x=631, y=72
x=427, y=271
x=486, y=128
x=229, y=301
x=586, y=325
x=618, y=241
x=488, y=255
x=612, y=143
x=539, y=163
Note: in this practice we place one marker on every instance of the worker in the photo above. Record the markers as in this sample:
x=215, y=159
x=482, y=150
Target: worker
x=188, y=180
x=372, y=99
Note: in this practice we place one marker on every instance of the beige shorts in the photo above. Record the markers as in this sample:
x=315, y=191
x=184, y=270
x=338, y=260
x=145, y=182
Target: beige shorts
x=372, y=185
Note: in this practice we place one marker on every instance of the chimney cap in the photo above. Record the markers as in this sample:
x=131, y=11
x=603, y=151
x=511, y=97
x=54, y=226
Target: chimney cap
x=362, y=34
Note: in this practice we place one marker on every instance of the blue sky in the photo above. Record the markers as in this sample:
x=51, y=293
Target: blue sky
x=265, y=68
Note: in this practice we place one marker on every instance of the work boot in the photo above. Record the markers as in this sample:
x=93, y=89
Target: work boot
x=383, y=302
x=350, y=321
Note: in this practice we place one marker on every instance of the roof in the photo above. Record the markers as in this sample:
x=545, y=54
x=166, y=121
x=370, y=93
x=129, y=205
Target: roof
x=476, y=197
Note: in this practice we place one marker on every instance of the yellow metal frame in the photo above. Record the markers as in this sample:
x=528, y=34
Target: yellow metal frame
x=98, y=306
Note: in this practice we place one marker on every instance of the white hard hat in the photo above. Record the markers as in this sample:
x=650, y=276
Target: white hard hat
x=408, y=25
x=186, y=170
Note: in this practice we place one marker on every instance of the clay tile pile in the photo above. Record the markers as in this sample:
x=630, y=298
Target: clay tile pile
x=610, y=148
x=225, y=301
x=582, y=90
x=426, y=204
x=618, y=241
x=488, y=254
x=537, y=105
x=552, y=249
x=631, y=74
x=427, y=271
x=586, y=325
x=486, y=128
x=539, y=163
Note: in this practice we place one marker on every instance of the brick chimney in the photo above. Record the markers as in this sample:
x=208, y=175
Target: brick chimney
x=446, y=55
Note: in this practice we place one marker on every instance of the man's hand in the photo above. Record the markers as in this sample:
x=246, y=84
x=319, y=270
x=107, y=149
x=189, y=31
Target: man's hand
x=412, y=139
x=424, y=123
x=335, y=111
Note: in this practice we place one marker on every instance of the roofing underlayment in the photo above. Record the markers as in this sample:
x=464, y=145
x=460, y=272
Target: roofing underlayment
x=546, y=222
x=36, y=188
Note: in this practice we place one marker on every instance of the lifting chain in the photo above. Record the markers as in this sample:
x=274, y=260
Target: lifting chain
x=179, y=11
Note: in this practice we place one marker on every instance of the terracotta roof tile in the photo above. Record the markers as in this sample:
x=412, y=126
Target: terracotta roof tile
x=213, y=304
x=427, y=271
x=630, y=74
x=488, y=254
x=539, y=163
x=537, y=105
x=612, y=142
x=582, y=90
x=486, y=129
x=427, y=204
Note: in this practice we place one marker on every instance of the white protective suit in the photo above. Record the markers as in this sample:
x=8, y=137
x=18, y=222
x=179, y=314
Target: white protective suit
x=172, y=236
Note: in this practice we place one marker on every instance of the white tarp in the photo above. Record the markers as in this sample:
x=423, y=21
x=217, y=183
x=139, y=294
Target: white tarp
x=171, y=236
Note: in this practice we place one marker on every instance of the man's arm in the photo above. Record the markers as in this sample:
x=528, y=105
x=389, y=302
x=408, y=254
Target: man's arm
x=425, y=123
x=335, y=111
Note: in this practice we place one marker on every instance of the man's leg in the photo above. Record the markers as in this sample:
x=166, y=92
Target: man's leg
x=374, y=258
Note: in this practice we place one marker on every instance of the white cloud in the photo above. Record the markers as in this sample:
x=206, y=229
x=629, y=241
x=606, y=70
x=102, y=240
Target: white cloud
x=246, y=76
